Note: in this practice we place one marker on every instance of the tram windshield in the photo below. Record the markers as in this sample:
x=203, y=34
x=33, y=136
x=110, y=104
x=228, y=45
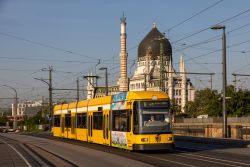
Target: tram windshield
x=151, y=117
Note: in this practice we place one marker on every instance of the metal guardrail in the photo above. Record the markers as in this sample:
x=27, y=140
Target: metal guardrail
x=240, y=120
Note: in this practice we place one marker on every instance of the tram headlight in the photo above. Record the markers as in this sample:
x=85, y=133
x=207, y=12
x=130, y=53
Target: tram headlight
x=167, y=120
x=169, y=138
x=144, y=139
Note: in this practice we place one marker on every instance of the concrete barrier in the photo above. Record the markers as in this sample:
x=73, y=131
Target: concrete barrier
x=219, y=141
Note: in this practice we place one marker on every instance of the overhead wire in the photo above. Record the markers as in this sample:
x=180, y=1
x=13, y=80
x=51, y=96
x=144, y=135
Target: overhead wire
x=204, y=29
x=212, y=39
x=45, y=60
x=237, y=44
x=46, y=45
x=196, y=14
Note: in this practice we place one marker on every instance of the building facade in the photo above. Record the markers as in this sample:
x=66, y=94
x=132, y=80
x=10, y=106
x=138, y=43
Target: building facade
x=154, y=71
x=29, y=108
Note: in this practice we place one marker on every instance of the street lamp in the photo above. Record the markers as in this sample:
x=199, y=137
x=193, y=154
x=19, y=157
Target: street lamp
x=15, y=107
x=50, y=100
x=106, y=78
x=224, y=76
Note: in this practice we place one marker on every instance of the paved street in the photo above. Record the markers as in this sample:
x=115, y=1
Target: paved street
x=46, y=150
x=72, y=154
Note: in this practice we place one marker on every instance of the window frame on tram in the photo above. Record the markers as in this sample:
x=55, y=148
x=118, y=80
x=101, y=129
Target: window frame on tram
x=121, y=120
x=97, y=120
x=67, y=120
x=81, y=120
x=143, y=111
x=57, y=120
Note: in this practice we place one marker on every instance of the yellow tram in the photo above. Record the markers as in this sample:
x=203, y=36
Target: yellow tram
x=129, y=120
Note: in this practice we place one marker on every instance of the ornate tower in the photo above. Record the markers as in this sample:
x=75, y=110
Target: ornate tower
x=123, y=81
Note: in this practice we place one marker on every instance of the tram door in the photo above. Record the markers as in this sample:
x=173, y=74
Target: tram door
x=62, y=125
x=67, y=130
x=90, y=127
x=106, y=128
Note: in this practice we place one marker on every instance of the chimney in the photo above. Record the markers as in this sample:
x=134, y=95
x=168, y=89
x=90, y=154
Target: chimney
x=123, y=81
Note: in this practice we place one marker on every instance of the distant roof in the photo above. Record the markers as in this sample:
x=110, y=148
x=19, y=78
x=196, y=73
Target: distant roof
x=152, y=40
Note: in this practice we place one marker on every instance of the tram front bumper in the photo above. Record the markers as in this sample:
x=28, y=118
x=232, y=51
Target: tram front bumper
x=161, y=146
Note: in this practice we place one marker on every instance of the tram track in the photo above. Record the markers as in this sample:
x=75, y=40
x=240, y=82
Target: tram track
x=34, y=155
x=188, y=157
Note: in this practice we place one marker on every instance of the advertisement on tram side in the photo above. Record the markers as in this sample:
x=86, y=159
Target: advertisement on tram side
x=119, y=139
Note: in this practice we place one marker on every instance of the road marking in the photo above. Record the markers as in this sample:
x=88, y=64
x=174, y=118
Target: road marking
x=25, y=160
x=168, y=160
x=240, y=163
x=206, y=160
x=208, y=157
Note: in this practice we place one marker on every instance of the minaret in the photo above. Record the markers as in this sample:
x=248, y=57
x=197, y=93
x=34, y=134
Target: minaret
x=123, y=81
x=183, y=85
x=147, y=66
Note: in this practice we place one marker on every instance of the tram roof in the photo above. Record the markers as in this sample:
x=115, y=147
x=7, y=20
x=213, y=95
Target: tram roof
x=57, y=107
x=72, y=105
x=100, y=101
x=146, y=95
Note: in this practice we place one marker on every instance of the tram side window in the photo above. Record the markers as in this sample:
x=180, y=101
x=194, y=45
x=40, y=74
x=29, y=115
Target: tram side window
x=121, y=120
x=82, y=120
x=67, y=120
x=97, y=120
x=136, y=121
x=57, y=119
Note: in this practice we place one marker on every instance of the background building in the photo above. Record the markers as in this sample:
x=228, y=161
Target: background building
x=154, y=71
x=29, y=108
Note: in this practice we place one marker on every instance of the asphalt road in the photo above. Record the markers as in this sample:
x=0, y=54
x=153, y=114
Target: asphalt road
x=186, y=153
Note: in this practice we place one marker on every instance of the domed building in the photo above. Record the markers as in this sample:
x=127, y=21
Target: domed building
x=154, y=71
x=152, y=40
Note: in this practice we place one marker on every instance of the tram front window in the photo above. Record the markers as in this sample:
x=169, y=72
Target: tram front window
x=151, y=117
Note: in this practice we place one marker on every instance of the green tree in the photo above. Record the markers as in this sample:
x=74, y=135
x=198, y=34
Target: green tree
x=175, y=109
x=210, y=102
x=206, y=102
x=3, y=120
x=191, y=109
x=238, y=103
x=31, y=122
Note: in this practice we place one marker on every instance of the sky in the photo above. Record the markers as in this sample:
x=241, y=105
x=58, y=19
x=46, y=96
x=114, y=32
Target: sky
x=72, y=36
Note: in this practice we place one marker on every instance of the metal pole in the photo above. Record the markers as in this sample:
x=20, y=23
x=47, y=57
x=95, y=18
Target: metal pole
x=235, y=84
x=224, y=77
x=77, y=88
x=224, y=73
x=211, y=80
x=50, y=99
x=15, y=118
x=15, y=107
x=128, y=83
x=106, y=81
